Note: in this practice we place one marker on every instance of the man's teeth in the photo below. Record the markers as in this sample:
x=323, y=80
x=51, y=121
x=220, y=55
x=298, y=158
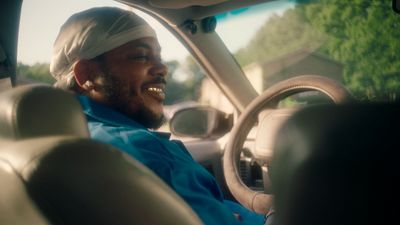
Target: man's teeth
x=158, y=90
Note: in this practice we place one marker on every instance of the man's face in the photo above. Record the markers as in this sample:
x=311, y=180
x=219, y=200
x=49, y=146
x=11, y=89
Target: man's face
x=131, y=80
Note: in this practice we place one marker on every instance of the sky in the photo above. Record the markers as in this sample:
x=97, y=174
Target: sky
x=39, y=27
x=40, y=22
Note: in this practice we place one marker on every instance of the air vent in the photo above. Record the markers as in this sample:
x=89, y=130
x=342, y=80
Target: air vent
x=245, y=171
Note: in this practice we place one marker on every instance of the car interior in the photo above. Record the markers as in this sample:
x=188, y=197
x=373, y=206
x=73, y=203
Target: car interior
x=331, y=163
x=59, y=176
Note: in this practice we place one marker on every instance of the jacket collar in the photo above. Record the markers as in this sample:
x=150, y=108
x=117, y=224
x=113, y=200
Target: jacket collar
x=105, y=114
x=100, y=112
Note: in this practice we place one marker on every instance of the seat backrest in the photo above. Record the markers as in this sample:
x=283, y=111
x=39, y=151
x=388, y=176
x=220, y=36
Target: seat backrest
x=338, y=165
x=37, y=111
x=53, y=175
x=16, y=207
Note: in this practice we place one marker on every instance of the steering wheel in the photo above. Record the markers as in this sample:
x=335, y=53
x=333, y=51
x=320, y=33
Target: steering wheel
x=257, y=201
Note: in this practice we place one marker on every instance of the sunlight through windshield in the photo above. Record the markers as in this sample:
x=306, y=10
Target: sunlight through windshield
x=353, y=42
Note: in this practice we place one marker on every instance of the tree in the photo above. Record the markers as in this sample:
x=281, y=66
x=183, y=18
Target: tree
x=279, y=36
x=39, y=72
x=184, y=87
x=174, y=89
x=177, y=90
x=361, y=34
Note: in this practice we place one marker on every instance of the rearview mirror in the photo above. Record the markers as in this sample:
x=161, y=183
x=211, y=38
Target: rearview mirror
x=201, y=122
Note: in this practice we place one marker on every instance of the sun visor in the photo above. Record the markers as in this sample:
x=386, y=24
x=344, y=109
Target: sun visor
x=179, y=4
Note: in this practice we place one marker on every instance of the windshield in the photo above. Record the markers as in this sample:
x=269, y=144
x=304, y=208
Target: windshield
x=353, y=42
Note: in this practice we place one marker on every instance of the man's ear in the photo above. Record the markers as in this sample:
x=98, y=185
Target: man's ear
x=83, y=71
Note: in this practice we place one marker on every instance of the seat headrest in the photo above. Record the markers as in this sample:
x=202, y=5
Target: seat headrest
x=37, y=110
x=338, y=165
x=73, y=180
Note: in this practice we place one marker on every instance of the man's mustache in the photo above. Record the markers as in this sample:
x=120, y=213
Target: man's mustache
x=158, y=80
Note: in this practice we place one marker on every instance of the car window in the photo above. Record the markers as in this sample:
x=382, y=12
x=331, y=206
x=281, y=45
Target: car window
x=38, y=30
x=353, y=42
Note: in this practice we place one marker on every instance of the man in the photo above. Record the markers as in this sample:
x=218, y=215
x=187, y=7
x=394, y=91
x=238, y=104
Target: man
x=111, y=59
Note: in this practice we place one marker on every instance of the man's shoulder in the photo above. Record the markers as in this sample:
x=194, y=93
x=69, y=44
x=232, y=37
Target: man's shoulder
x=120, y=136
x=105, y=116
x=118, y=129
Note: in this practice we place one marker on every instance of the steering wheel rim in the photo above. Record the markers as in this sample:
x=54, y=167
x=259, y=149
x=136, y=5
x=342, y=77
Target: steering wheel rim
x=253, y=200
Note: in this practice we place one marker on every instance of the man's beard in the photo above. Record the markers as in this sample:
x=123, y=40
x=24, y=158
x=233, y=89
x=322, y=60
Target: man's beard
x=147, y=118
x=143, y=115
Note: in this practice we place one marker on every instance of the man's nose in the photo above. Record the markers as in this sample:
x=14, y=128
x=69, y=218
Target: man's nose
x=160, y=69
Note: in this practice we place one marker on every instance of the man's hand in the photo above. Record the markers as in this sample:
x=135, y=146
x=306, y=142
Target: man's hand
x=269, y=216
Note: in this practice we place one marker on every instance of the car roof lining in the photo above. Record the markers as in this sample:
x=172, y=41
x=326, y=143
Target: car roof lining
x=178, y=4
x=189, y=10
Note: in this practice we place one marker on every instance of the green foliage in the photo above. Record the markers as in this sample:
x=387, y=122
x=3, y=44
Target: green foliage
x=177, y=90
x=186, y=89
x=38, y=72
x=279, y=36
x=183, y=89
x=363, y=35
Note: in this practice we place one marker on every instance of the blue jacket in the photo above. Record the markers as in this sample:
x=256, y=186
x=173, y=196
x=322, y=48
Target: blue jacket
x=169, y=159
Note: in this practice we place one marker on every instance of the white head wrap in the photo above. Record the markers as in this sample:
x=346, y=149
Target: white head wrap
x=90, y=33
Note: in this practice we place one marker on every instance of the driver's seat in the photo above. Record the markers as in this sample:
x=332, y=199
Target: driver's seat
x=52, y=173
x=337, y=165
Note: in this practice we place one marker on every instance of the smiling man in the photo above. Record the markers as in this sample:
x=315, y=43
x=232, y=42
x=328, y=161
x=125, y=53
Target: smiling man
x=129, y=78
x=111, y=59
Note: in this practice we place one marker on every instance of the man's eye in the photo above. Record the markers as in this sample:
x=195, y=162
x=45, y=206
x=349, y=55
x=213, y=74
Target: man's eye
x=140, y=58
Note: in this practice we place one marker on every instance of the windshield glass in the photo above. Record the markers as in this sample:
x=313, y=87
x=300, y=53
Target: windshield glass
x=353, y=42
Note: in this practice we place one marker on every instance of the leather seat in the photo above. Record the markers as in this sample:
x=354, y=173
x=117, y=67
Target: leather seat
x=38, y=111
x=52, y=173
x=338, y=165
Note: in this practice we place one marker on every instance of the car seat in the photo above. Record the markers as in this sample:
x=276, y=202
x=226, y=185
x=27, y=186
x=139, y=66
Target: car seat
x=338, y=165
x=52, y=173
